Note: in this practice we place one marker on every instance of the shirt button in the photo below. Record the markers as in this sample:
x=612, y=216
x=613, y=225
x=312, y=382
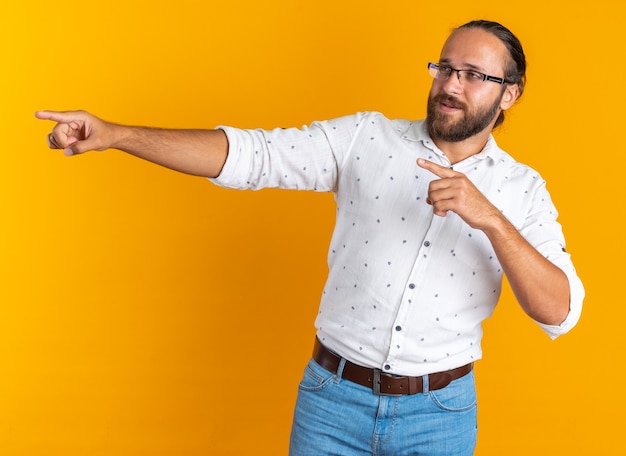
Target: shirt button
x=412, y=286
x=387, y=367
x=426, y=243
x=398, y=328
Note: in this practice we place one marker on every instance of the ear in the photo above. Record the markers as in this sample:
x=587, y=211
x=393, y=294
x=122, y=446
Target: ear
x=511, y=94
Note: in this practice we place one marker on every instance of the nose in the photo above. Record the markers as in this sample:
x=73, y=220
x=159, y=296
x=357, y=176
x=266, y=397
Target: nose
x=453, y=84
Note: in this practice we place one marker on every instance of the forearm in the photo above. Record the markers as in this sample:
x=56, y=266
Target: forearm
x=196, y=152
x=541, y=288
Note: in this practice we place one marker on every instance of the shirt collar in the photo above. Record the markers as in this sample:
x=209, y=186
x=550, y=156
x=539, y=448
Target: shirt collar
x=416, y=131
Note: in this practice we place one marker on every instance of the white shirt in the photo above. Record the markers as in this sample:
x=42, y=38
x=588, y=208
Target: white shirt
x=407, y=291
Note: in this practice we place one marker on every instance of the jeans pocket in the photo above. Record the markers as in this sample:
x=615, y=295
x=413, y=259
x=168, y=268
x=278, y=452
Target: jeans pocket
x=315, y=377
x=458, y=396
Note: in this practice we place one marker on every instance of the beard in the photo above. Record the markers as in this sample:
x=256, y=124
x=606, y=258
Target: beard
x=441, y=127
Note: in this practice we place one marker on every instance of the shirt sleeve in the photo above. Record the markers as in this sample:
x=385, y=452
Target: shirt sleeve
x=543, y=231
x=306, y=158
x=577, y=294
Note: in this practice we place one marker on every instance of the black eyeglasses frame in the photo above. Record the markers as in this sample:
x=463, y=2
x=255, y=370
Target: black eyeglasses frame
x=485, y=77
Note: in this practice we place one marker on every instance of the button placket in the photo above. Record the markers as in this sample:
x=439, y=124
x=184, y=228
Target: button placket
x=399, y=330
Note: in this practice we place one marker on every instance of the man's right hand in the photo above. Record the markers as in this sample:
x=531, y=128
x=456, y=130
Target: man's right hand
x=77, y=132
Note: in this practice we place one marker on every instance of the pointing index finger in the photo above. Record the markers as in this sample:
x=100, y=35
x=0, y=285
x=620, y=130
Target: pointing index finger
x=56, y=116
x=437, y=170
x=45, y=115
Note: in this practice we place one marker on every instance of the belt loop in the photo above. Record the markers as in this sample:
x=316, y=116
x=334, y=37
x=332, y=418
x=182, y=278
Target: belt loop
x=342, y=364
x=425, y=385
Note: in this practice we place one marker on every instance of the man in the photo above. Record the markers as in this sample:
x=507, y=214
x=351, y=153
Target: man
x=430, y=214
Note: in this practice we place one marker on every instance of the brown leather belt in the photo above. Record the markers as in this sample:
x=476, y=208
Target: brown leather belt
x=384, y=384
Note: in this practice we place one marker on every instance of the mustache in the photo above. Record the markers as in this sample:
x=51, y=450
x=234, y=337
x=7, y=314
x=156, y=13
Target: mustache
x=449, y=100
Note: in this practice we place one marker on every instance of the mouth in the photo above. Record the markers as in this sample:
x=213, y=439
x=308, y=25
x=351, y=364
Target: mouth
x=449, y=104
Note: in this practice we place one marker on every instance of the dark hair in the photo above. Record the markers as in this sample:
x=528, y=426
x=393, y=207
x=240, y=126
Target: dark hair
x=515, y=69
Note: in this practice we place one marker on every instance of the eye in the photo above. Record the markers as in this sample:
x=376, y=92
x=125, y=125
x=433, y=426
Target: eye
x=475, y=75
x=445, y=69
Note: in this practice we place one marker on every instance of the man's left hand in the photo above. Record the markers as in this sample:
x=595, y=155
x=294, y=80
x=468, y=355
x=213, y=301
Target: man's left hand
x=453, y=191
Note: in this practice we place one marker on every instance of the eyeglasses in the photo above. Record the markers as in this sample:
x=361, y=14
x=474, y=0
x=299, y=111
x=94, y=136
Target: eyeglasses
x=443, y=72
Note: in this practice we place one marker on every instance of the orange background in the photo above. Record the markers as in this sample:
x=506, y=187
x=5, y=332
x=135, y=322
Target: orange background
x=144, y=312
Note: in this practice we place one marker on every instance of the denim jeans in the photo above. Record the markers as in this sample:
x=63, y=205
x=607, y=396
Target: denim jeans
x=338, y=417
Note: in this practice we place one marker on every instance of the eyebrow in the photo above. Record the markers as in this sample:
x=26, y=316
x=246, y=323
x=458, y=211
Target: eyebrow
x=469, y=66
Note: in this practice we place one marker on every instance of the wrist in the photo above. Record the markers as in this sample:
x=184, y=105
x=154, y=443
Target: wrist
x=120, y=136
x=499, y=227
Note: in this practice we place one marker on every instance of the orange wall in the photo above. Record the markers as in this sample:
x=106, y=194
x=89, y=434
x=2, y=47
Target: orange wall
x=143, y=312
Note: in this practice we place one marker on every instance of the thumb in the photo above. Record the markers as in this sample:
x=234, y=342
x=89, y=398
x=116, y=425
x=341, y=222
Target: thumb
x=80, y=147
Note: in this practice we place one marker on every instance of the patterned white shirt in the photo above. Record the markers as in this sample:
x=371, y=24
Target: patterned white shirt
x=407, y=291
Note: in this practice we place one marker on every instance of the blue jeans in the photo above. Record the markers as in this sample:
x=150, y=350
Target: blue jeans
x=338, y=417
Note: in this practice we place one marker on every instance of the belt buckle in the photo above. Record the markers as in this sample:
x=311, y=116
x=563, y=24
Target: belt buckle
x=376, y=384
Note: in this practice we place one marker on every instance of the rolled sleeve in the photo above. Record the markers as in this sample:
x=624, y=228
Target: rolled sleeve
x=305, y=158
x=577, y=294
x=546, y=234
